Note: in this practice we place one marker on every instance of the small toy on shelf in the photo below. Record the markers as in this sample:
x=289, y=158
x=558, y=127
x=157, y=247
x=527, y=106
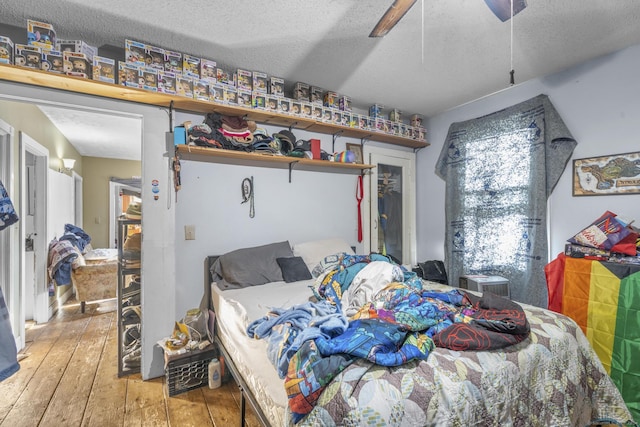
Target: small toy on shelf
x=104, y=69
x=6, y=50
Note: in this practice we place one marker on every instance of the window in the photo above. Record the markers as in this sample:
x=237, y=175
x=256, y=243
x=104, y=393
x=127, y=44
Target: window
x=499, y=171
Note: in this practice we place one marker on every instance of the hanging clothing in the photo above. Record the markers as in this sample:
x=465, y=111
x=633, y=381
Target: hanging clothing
x=8, y=352
x=8, y=214
x=500, y=170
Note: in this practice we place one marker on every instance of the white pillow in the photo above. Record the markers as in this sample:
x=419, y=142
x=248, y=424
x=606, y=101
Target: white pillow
x=313, y=252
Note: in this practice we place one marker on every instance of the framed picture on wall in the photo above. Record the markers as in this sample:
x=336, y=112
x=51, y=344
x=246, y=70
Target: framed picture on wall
x=607, y=175
x=357, y=150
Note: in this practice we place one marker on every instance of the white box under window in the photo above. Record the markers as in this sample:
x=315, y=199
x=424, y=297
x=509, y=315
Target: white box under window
x=480, y=283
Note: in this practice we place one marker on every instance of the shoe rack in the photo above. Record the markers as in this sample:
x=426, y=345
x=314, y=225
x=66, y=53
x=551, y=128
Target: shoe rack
x=129, y=297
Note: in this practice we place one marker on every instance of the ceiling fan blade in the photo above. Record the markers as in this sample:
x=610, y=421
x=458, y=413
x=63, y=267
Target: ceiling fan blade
x=391, y=17
x=502, y=8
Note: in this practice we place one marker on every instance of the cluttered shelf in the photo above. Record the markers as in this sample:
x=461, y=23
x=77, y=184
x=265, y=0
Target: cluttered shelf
x=215, y=155
x=109, y=90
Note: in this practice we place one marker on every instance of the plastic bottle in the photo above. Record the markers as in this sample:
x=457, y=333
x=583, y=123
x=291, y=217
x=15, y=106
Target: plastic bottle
x=215, y=376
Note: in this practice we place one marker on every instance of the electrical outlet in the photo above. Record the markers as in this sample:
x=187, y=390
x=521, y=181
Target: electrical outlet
x=189, y=232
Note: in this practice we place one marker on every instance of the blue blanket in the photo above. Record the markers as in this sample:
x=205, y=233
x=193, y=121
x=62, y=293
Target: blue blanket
x=287, y=329
x=8, y=353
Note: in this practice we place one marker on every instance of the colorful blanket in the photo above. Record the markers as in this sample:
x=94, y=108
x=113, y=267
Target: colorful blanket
x=401, y=323
x=287, y=329
x=552, y=378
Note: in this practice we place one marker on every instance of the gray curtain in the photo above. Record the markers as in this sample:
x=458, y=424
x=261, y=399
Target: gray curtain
x=499, y=171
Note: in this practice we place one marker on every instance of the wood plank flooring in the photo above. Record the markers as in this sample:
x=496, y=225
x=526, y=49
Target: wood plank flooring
x=69, y=377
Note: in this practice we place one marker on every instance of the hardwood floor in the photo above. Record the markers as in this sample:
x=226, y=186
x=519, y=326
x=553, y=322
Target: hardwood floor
x=69, y=377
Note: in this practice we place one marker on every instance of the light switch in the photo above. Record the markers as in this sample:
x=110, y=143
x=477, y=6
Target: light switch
x=189, y=232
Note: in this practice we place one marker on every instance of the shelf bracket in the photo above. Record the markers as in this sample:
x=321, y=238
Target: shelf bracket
x=416, y=149
x=364, y=139
x=291, y=164
x=171, y=116
x=291, y=127
x=335, y=138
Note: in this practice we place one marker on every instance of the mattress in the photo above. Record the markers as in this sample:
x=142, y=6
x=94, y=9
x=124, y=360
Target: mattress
x=554, y=375
x=238, y=308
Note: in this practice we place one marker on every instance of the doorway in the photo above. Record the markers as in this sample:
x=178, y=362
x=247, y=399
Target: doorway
x=392, y=221
x=122, y=192
x=34, y=165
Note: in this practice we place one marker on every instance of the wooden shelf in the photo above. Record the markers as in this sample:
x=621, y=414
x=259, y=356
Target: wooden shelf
x=107, y=90
x=231, y=157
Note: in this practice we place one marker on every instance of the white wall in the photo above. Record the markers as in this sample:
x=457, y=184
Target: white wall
x=315, y=205
x=600, y=103
x=60, y=210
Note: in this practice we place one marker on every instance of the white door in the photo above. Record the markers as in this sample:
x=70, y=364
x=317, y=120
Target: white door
x=9, y=278
x=77, y=199
x=33, y=213
x=392, y=219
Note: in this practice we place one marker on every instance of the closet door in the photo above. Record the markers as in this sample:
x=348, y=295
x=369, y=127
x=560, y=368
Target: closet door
x=392, y=204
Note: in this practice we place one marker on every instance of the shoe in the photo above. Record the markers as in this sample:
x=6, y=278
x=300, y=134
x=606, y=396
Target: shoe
x=132, y=300
x=131, y=334
x=133, y=244
x=134, y=211
x=131, y=315
x=132, y=288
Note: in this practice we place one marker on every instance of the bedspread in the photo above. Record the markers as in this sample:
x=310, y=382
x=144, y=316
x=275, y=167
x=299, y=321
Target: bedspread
x=399, y=325
x=505, y=364
x=553, y=378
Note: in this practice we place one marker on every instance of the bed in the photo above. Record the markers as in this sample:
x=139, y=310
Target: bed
x=551, y=377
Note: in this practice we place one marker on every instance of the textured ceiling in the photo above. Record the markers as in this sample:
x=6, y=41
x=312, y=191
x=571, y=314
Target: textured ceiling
x=96, y=134
x=442, y=54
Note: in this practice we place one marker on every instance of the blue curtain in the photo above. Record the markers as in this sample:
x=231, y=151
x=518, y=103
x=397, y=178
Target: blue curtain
x=499, y=171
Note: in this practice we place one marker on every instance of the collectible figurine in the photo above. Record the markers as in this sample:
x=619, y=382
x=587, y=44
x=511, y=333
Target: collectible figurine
x=57, y=64
x=33, y=59
x=79, y=66
x=4, y=53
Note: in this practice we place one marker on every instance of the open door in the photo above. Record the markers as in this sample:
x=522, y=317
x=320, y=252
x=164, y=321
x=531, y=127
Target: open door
x=77, y=199
x=392, y=220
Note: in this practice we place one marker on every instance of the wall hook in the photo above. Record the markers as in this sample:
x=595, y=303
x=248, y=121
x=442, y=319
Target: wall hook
x=335, y=138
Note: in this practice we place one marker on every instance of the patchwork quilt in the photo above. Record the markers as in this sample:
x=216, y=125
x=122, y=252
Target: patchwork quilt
x=421, y=356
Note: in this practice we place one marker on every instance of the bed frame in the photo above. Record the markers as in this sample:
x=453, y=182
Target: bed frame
x=245, y=392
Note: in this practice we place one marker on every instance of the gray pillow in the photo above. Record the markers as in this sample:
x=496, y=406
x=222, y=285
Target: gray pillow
x=293, y=269
x=251, y=266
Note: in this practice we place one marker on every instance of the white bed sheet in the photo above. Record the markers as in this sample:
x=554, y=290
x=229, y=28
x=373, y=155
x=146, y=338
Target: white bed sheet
x=235, y=309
